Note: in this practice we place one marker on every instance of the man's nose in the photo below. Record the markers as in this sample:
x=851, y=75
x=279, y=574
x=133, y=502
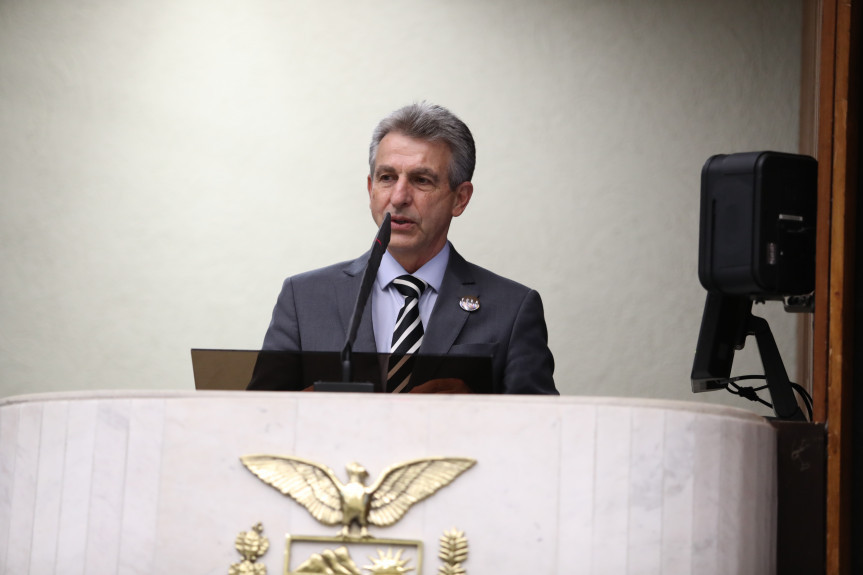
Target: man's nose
x=401, y=195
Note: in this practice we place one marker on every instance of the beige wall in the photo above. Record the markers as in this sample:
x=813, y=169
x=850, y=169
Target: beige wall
x=165, y=164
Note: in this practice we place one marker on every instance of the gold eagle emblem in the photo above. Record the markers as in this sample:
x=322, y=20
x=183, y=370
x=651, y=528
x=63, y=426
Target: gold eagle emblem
x=353, y=505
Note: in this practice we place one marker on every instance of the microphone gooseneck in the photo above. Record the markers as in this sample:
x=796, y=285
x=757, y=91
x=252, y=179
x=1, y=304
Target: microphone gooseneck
x=379, y=246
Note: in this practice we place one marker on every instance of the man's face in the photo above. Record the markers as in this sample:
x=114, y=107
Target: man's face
x=411, y=182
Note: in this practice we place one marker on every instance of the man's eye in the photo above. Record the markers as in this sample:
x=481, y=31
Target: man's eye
x=385, y=177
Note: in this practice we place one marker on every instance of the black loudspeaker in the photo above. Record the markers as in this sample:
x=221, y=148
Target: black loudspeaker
x=757, y=234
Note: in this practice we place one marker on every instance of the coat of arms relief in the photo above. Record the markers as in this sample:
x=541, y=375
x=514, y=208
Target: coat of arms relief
x=354, y=506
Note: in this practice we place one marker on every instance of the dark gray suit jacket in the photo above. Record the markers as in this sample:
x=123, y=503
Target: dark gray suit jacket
x=314, y=309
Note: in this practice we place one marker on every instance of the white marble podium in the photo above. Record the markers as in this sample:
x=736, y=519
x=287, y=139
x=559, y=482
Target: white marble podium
x=147, y=482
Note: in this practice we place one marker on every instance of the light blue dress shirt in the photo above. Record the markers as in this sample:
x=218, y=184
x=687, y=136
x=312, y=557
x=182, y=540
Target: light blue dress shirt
x=387, y=301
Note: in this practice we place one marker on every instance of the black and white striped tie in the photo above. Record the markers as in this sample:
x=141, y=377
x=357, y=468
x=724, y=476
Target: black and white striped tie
x=407, y=335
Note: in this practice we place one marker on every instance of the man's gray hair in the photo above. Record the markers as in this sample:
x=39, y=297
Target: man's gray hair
x=430, y=122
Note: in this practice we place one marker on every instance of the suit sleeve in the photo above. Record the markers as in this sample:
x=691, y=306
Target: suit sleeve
x=529, y=364
x=278, y=371
x=284, y=331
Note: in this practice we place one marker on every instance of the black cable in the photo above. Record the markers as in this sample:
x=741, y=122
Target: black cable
x=807, y=399
x=751, y=393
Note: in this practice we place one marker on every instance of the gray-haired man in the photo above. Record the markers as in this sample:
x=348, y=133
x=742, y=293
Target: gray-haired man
x=421, y=162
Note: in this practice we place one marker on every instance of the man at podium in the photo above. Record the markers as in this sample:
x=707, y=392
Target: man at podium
x=426, y=298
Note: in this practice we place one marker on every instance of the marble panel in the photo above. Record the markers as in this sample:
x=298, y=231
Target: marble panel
x=577, y=481
x=745, y=468
x=49, y=488
x=107, y=486
x=611, y=500
x=77, y=479
x=678, y=485
x=138, y=536
x=24, y=476
x=510, y=499
x=8, y=445
x=707, y=495
x=644, y=534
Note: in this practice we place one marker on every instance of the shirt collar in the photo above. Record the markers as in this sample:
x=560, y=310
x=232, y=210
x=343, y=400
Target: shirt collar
x=432, y=272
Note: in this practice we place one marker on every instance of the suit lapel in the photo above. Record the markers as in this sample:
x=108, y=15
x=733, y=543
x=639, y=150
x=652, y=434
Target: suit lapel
x=346, y=296
x=447, y=318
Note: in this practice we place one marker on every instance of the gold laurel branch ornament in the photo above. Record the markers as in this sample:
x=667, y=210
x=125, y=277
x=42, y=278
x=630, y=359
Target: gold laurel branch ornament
x=252, y=546
x=352, y=504
x=453, y=552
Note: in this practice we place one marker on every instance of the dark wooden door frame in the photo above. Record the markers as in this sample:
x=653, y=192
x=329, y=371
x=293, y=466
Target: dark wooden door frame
x=833, y=329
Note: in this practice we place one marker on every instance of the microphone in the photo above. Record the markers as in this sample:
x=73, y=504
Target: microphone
x=379, y=246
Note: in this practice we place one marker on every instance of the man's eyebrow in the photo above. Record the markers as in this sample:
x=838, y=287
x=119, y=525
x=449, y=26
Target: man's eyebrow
x=428, y=172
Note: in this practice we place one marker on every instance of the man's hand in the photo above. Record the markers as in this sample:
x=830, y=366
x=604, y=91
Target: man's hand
x=444, y=385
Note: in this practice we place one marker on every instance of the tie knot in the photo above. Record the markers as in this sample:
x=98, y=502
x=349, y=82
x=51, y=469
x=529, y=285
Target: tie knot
x=409, y=286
